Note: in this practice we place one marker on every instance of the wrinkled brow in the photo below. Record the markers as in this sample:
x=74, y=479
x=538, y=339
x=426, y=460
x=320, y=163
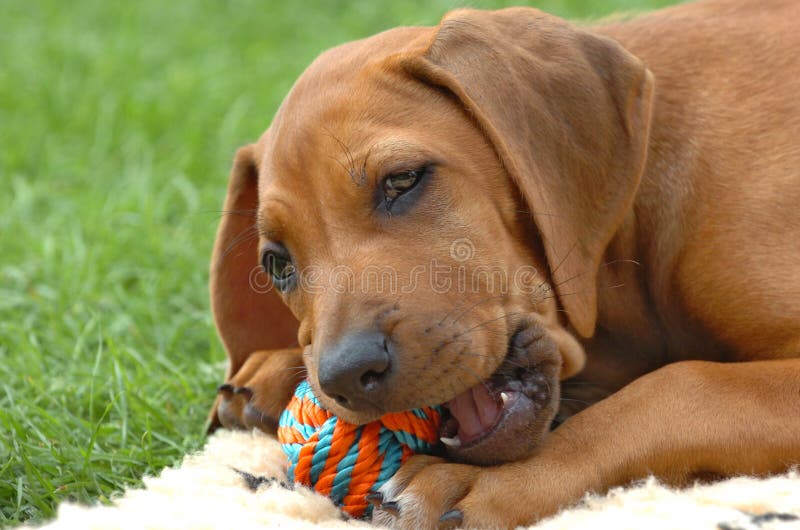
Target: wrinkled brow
x=268, y=220
x=393, y=155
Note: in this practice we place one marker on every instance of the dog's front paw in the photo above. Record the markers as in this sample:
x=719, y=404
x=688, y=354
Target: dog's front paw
x=422, y=491
x=428, y=492
x=257, y=394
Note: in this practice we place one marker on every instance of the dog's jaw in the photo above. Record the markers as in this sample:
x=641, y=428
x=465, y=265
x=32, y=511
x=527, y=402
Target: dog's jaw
x=503, y=418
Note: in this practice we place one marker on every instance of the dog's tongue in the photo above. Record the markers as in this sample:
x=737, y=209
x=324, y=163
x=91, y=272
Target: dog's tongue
x=477, y=412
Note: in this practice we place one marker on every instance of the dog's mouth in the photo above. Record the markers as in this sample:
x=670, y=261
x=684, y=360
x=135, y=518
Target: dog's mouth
x=504, y=417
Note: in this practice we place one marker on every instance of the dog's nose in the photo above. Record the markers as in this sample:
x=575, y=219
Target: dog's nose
x=354, y=371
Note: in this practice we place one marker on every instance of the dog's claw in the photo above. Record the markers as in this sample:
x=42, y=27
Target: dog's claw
x=228, y=410
x=391, y=507
x=246, y=392
x=451, y=519
x=375, y=499
x=226, y=389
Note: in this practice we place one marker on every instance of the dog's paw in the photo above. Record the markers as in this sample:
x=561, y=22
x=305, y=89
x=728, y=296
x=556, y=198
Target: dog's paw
x=428, y=492
x=257, y=394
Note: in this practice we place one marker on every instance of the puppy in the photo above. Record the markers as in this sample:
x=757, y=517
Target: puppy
x=583, y=241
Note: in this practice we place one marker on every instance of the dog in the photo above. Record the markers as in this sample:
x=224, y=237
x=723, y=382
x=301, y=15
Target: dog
x=587, y=241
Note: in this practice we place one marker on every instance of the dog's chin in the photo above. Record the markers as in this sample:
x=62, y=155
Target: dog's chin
x=504, y=418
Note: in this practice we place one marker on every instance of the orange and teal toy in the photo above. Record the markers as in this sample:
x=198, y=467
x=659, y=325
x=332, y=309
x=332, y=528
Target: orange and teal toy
x=347, y=462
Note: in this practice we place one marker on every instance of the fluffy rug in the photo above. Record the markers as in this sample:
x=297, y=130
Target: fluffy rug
x=207, y=492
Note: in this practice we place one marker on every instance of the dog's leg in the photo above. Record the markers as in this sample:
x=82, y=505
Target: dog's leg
x=686, y=420
x=257, y=394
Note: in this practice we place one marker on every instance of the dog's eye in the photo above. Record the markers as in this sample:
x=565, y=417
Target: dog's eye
x=397, y=184
x=277, y=263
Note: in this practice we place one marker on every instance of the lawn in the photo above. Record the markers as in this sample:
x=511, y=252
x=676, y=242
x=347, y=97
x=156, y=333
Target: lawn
x=118, y=121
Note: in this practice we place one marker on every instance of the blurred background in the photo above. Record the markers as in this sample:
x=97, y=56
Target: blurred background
x=118, y=122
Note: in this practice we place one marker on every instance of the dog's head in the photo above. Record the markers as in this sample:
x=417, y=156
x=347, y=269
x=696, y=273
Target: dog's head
x=432, y=205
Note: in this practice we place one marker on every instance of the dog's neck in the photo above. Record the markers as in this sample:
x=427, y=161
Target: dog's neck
x=641, y=322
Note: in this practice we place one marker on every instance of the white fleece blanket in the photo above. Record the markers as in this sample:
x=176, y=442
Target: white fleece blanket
x=206, y=492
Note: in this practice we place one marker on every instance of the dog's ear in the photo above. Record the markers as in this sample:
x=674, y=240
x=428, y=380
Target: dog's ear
x=568, y=113
x=249, y=315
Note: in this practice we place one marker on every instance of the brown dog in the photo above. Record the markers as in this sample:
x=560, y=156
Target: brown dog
x=522, y=218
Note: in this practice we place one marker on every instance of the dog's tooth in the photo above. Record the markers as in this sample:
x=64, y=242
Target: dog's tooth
x=505, y=397
x=455, y=441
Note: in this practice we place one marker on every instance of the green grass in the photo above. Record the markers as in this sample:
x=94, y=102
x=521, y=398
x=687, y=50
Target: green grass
x=118, y=121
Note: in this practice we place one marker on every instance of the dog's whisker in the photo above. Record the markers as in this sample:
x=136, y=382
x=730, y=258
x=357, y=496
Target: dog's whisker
x=572, y=400
x=294, y=368
x=486, y=322
x=581, y=291
x=342, y=165
x=564, y=259
x=481, y=301
x=602, y=265
x=469, y=309
x=244, y=213
x=358, y=177
x=615, y=261
x=559, y=264
x=438, y=324
x=363, y=175
x=243, y=237
x=555, y=296
x=295, y=371
x=573, y=277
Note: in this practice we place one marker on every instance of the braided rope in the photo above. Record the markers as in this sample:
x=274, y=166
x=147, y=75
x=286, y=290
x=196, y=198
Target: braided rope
x=347, y=462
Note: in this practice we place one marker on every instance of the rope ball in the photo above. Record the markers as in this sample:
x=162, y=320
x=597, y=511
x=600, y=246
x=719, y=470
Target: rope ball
x=348, y=462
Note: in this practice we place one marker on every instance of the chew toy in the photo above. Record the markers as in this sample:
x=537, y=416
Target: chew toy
x=347, y=462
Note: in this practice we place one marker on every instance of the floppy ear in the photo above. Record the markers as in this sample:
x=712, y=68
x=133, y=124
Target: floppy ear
x=247, y=318
x=568, y=113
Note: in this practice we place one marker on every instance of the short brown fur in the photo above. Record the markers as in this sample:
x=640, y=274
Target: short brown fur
x=654, y=186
